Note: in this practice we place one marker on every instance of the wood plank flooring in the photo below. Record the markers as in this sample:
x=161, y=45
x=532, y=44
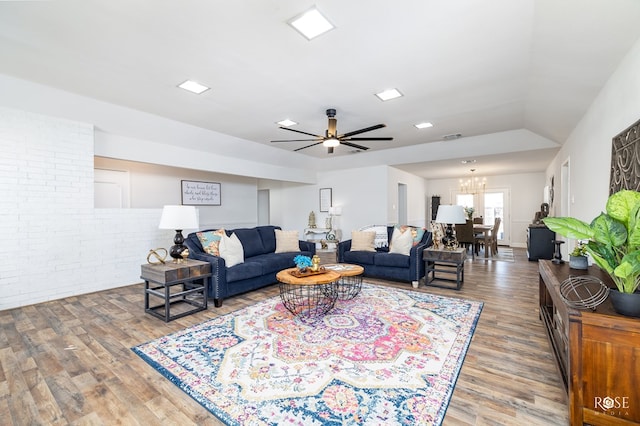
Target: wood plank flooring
x=68, y=362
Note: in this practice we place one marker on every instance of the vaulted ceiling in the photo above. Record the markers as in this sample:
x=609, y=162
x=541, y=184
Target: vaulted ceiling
x=470, y=67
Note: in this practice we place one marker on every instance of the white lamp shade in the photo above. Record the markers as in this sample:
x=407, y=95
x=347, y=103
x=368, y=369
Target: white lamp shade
x=450, y=214
x=179, y=217
x=335, y=210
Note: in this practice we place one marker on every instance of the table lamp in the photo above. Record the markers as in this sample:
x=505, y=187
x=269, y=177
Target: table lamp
x=178, y=218
x=450, y=215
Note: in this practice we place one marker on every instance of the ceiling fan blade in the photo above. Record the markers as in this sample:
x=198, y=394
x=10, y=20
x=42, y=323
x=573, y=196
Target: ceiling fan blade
x=369, y=139
x=357, y=132
x=296, y=140
x=308, y=146
x=353, y=145
x=300, y=131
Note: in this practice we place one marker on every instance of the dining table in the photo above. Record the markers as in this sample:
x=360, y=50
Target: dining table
x=479, y=228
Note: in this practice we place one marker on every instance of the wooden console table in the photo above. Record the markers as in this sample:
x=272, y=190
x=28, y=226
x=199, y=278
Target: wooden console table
x=597, y=352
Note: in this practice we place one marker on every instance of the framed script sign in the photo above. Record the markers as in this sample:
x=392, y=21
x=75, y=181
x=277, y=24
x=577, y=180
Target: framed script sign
x=195, y=193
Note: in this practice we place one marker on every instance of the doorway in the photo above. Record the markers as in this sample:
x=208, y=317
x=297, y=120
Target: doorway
x=491, y=204
x=263, y=207
x=402, y=204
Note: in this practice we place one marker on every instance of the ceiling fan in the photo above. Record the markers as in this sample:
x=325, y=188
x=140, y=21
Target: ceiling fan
x=331, y=139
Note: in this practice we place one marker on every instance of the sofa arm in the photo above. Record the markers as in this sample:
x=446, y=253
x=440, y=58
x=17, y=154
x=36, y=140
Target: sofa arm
x=217, y=288
x=307, y=246
x=343, y=246
x=416, y=264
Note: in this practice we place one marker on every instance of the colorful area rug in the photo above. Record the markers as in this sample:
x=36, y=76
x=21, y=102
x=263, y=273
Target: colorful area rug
x=387, y=357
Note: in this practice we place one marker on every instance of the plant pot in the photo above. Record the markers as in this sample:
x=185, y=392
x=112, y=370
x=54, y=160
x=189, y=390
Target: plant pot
x=578, y=262
x=625, y=303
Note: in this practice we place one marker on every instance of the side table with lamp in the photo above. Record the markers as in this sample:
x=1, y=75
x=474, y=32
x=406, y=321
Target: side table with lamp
x=178, y=283
x=450, y=258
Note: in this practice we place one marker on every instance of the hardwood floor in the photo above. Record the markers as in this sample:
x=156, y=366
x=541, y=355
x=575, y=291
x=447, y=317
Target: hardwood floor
x=69, y=361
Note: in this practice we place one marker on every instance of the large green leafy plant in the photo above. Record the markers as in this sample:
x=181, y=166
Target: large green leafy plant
x=613, y=238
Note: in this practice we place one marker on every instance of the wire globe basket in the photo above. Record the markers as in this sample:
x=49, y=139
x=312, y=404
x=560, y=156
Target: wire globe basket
x=583, y=291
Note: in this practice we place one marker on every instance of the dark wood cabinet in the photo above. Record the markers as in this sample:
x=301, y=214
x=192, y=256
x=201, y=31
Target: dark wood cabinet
x=597, y=352
x=435, y=203
x=540, y=242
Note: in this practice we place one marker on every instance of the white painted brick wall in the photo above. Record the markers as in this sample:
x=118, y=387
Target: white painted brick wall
x=54, y=243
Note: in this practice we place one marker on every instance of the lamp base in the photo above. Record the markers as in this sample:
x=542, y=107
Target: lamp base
x=176, y=250
x=449, y=242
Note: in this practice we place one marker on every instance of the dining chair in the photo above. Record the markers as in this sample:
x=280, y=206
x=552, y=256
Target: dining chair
x=478, y=220
x=465, y=235
x=493, y=239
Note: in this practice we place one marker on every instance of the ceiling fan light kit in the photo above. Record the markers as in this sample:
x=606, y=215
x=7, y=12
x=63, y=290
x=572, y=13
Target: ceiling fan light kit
x=331, y=139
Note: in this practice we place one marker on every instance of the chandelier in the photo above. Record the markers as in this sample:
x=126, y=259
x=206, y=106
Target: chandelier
x=473, y=185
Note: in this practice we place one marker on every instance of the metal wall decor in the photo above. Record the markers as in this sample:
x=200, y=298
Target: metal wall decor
x=625, y=160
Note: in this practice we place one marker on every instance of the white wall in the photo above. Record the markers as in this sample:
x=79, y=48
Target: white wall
x=55, y=243
x=526, y=191
x=367, y=196
x=588, y=148
x=153, y=186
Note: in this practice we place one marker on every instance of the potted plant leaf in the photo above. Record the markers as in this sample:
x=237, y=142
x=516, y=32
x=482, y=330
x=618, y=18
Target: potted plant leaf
x=613, y=241
x=578, y=257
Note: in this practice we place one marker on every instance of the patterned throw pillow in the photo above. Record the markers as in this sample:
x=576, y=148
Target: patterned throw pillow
x=210, y=241
x=362, y=240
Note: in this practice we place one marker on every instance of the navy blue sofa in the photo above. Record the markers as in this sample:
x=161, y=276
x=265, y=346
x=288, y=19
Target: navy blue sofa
x=391, y=266
x=261, y=263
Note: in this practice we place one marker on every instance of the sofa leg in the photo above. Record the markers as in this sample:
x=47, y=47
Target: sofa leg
x=415, y=284
x=217, y=303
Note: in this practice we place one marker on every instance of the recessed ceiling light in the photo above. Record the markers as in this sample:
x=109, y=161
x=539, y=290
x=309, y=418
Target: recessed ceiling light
x=388, y=94
x=311, y=24
x=424, y=125
x=468, y=161
x=193, y=87
x=286, y=122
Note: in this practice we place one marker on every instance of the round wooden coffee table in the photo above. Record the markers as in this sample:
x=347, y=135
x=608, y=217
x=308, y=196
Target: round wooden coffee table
x=350, y=282
x=309, y=296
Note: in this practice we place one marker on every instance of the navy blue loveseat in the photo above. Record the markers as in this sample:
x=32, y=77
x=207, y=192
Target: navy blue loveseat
x=261, y=263
x=392, y=266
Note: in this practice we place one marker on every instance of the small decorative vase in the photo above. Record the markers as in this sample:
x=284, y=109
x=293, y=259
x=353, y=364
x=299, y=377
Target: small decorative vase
x=578, y=262
x=315, y=263
x=627, y=304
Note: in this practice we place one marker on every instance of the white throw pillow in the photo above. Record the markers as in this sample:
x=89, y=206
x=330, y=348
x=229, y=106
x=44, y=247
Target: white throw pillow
x=362, y=240
x=401, y=242
x=287, y=241
x=231, y=250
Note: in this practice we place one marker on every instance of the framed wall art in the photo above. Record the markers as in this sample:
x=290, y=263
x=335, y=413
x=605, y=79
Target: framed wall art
x=625, y=160
x=196, y=193
x=325, y=199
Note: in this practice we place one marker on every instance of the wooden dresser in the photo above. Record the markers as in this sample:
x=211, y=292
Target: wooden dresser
x=597, y=352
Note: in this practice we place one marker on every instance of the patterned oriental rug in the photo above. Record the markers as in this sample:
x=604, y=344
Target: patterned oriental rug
x=387, y=357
